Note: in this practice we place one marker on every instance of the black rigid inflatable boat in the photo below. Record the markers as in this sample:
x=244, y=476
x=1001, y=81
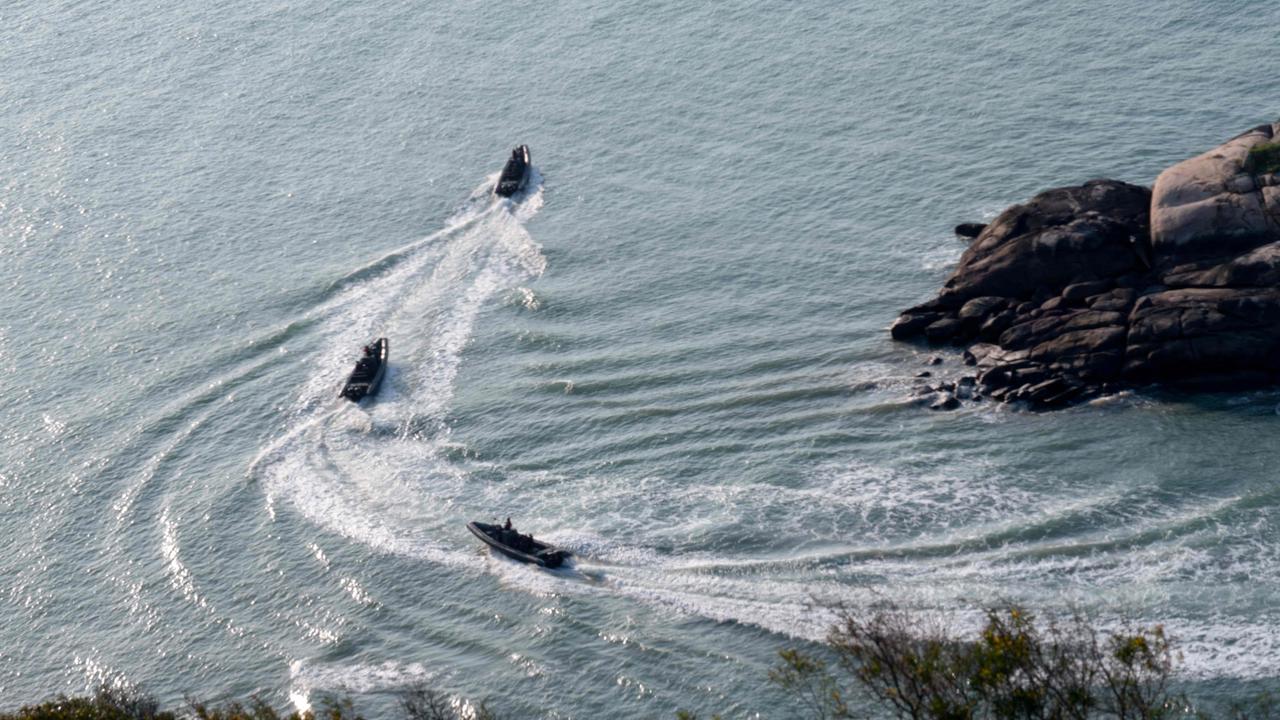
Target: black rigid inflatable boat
x=517, y=546
x=514, y=174
x=367, y=377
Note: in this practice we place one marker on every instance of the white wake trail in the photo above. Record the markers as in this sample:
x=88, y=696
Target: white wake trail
x=376, y=473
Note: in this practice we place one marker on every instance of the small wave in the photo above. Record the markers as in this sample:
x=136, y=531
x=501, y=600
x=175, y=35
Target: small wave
x=307, y=677
x=183, y=580
x=179, y=575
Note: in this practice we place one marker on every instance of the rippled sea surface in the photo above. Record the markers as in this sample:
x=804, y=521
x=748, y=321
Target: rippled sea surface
x=669, y=355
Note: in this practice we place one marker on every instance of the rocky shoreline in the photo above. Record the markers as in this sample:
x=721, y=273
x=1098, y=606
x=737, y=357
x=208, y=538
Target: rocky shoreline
x=1087, y=290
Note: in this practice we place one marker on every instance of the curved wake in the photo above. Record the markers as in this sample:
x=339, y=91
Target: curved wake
x=360, y=471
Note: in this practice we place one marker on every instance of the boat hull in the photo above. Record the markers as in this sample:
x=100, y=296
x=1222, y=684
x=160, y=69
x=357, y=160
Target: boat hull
x=540, y=553
x=515, y=174
x=366, y=379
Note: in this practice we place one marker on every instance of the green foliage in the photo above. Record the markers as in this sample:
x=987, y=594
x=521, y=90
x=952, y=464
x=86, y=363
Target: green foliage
x=1014, y=669
x=422, y=703
x=107, y=703
x=809, y=681
x=257, y=709
x=1264, y=158
x=418, y=703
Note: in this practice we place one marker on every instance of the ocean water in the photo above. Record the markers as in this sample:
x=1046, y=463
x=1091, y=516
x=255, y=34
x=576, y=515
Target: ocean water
x=669, y=355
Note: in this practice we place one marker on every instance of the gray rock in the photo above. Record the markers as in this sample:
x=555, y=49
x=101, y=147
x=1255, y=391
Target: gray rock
x=1208, y=207
x=1080, y=291
x=1038, y=330
x=1044, y=390
x=1028, y=375
x=982, y=307
x=1018, y=393
x=946, y=402
x=1180, y=335
x=1088, y=289
x=1259, y=267
x=1069, y=394
x=1011, y=375
x=1056, y=237
x=943, y=330
x=1118, y=300
x=1079, y=342
x=966, y=387
x=912, y=325
x=988, y=355
x=990, y=330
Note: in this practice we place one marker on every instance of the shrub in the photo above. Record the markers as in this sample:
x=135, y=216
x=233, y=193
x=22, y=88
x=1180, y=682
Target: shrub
x=107, y=703
x=1264, y=158
x=258, y=709
x=418, y=703
x=1014, y=669
x=807, y=679
x=422, y=703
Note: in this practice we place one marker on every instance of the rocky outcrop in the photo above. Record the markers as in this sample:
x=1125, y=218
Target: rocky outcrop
x=1214, y=207
x=970, y=230
x=1086, y=289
